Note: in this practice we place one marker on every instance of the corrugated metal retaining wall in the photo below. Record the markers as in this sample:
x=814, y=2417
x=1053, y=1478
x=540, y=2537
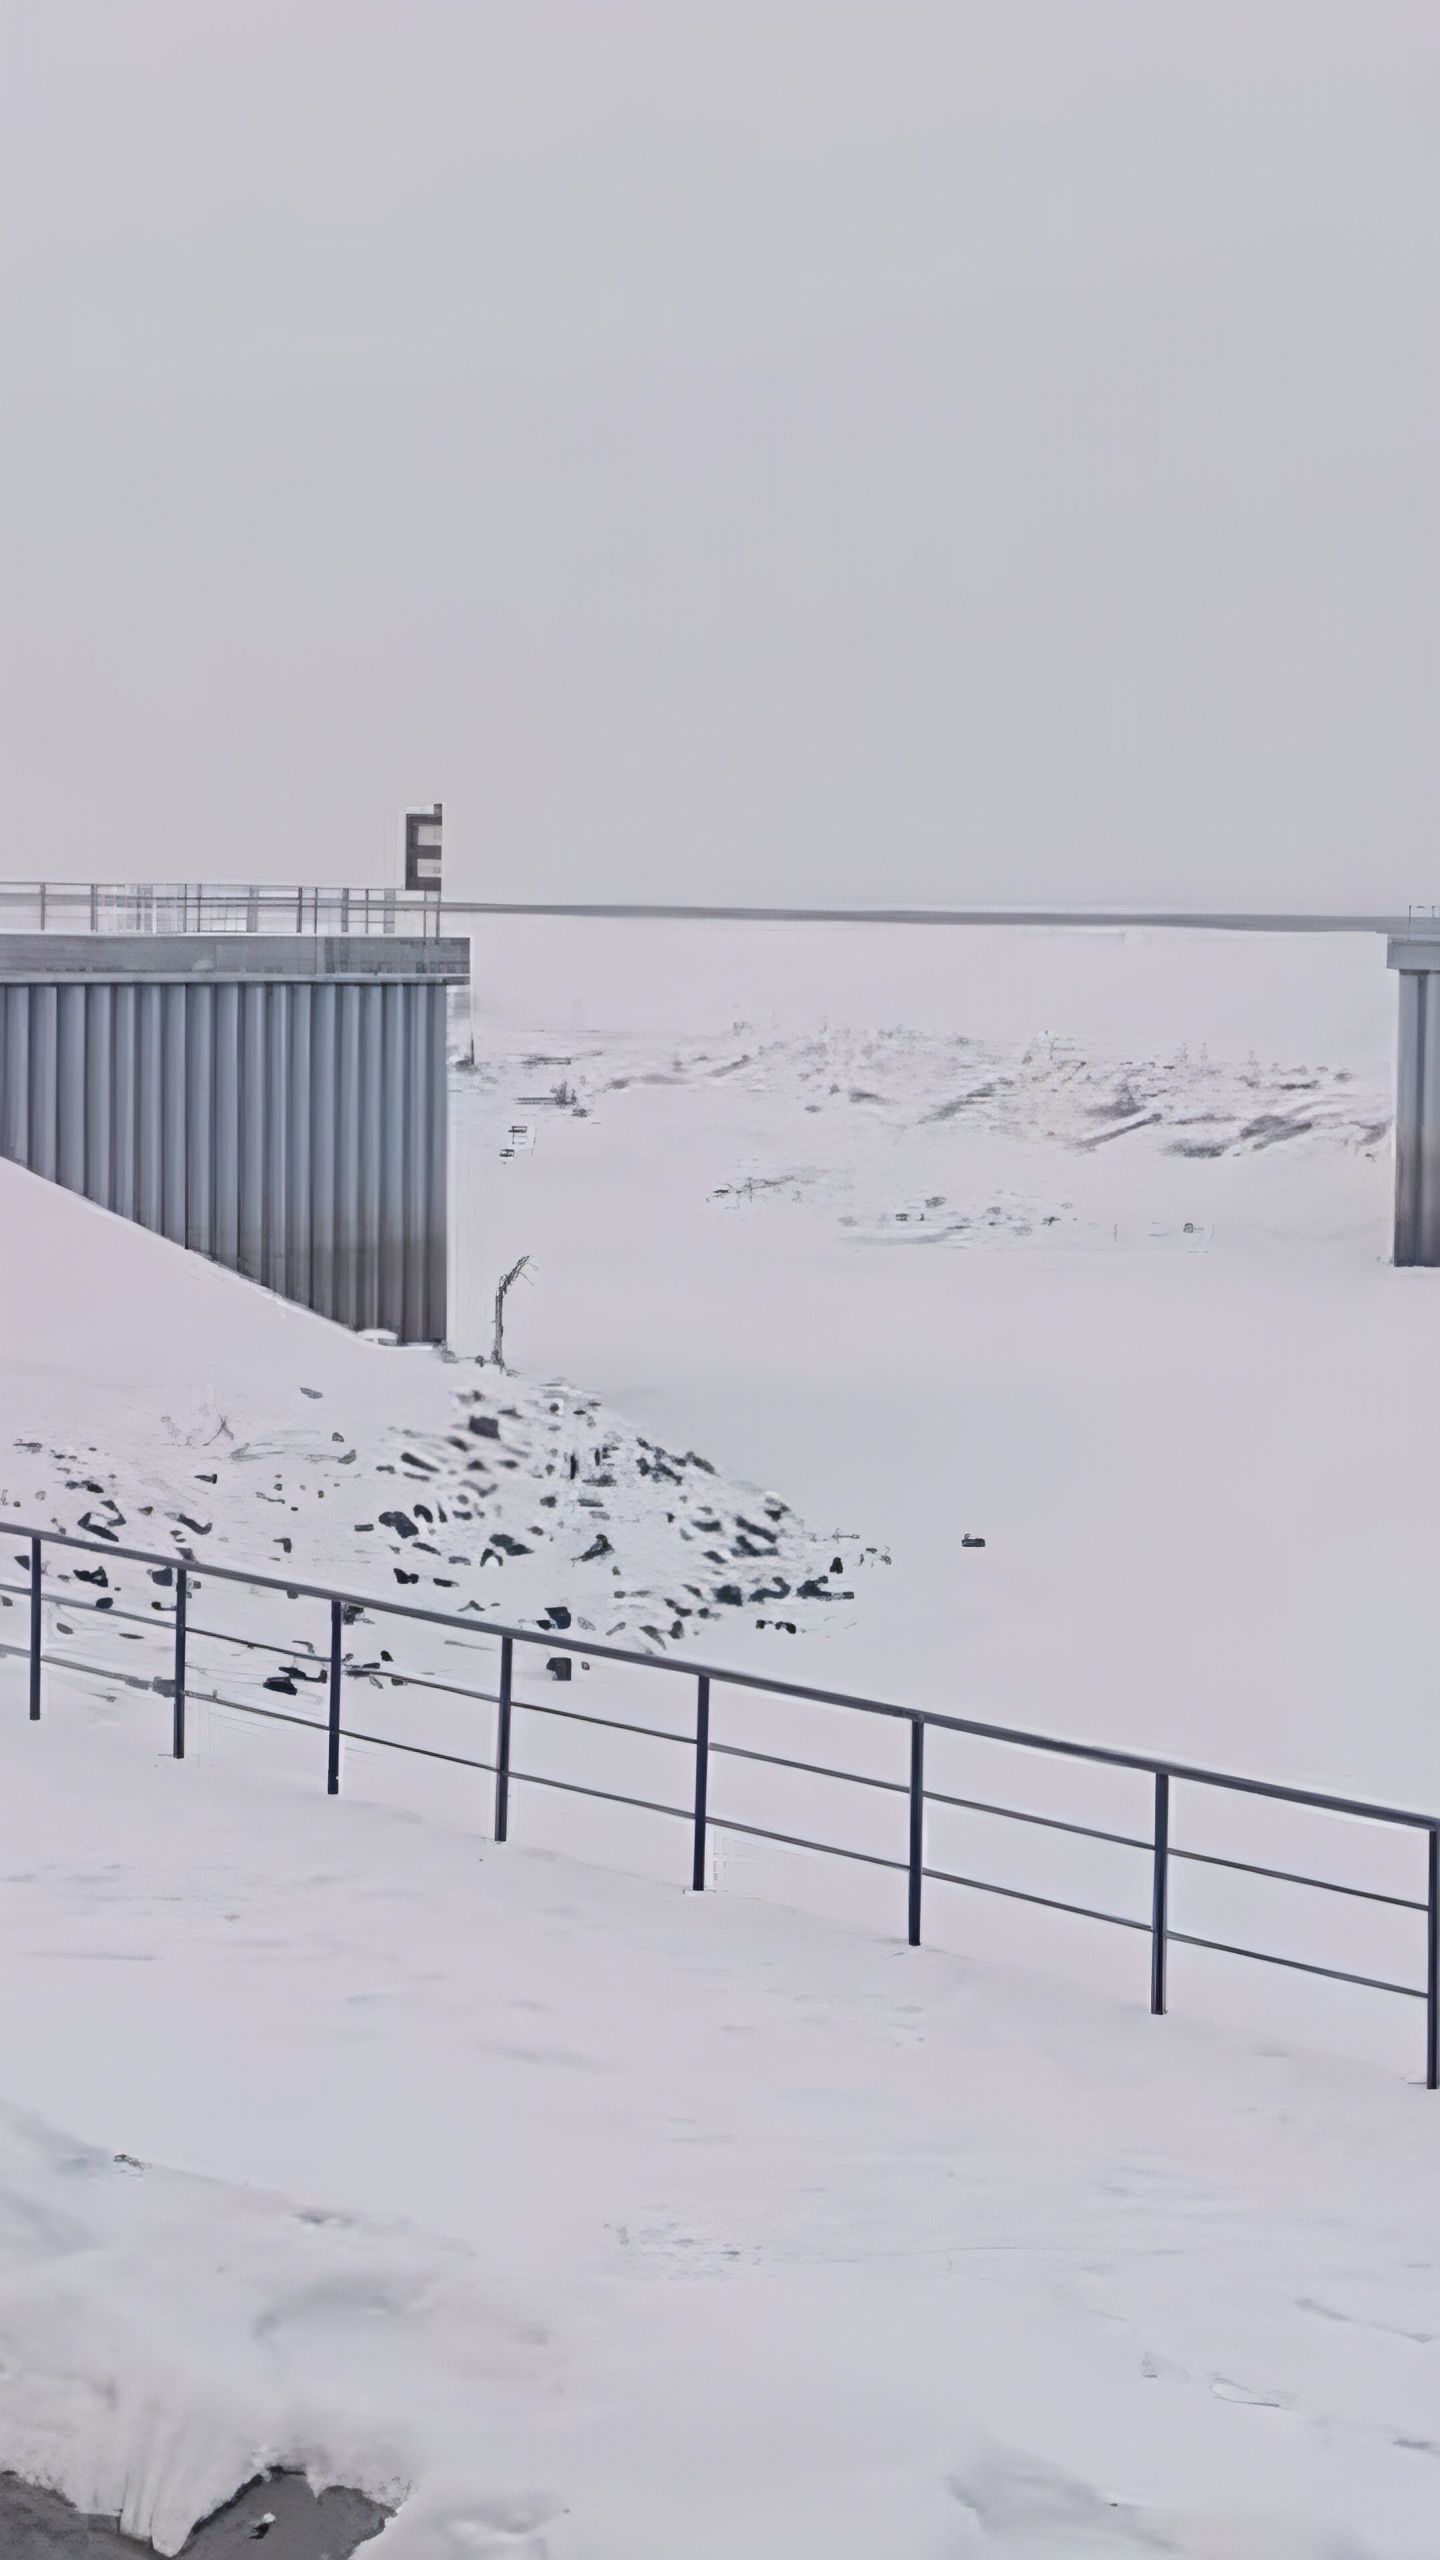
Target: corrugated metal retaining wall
x=294, y=1132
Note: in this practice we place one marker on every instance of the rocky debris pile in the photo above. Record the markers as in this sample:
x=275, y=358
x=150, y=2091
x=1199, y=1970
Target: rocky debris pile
x=533, y=1505
x=643, y=1539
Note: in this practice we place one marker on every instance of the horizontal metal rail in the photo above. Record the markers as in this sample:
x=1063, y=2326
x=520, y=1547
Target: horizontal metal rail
x=1043, y=1821
x=1102, y=1755
x=185, y=1573
x=1047, y=1901
x=1292, y=1875
x=1113, y=919
x=180, y=906
x=212, y=906
x=1296, y=1964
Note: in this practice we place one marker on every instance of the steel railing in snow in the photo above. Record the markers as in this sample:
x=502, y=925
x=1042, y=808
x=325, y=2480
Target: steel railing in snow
x=67, y=906
x=703, y=1748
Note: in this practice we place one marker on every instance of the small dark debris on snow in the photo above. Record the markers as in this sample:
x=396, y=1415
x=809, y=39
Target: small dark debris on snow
x=969, y=1541
x=558, y=1666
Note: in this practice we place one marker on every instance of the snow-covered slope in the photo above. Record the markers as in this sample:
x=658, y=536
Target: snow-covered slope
x=604, y=2222
x=593, y=2219
x=465, y=1486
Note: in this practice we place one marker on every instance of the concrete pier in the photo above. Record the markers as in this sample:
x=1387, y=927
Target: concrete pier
x=277, y=1103
x=1417, y=1101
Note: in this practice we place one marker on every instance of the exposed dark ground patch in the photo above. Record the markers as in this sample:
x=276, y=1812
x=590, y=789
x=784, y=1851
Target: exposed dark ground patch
x=280, y=2516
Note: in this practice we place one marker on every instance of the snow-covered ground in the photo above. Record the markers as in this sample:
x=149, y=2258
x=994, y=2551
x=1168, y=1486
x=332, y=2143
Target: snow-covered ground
x=591, y=2218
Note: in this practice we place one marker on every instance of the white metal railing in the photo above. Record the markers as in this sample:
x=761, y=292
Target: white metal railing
x=66, y=906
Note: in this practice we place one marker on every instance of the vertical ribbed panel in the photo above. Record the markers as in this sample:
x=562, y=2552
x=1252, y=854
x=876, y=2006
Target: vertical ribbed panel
x=98, y=1071
x=199, y=1129
x=122, y=1102
x=436, y=1102
x=70, y=1087
x=225, y=1110
x=295, y=1133
x=323, y=1043
x=347, y=1156
x=273, y=1109
x=393, y=1063
x=15, y=1103
x=252, y=1116
x=149, y=1086
x=1417, y=1120
x=44, y=1043
x=372, y=1148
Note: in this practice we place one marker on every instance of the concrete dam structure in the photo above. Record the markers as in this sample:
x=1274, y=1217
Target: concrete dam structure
x=275, y=1101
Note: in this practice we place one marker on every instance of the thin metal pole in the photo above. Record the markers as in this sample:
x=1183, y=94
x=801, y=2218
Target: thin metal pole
x=36, y=1630
x=502, y=1740
x=917, y=1822
x=182, y=1585
x=702, y=1777
x=332, y=1774
x=1158, y=1921
x=1433, y=1969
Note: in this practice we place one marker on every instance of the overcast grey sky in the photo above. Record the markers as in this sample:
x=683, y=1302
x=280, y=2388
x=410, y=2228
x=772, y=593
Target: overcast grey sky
x=935, y=452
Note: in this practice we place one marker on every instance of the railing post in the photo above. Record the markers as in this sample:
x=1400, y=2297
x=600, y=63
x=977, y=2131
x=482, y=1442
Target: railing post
x=702, y=1777
x=1158, y=1917
x=502, y=1740
x=332, y=1774
x=36, y=1630
x=917, y=1822
x=1432, y=1968
x=182, y=1585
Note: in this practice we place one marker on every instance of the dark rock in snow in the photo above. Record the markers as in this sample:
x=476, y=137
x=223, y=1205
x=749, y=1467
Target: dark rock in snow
x=557, y=1616
x=559, y=1666
x=968, y=1541
x=401, y=1522
x=731, y=1594
x=599, y=1546
x=484, y=1425
x=279, y=2509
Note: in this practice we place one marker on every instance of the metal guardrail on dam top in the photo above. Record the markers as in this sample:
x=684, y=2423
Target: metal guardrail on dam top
x=703, y=1749
x=62, y=906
